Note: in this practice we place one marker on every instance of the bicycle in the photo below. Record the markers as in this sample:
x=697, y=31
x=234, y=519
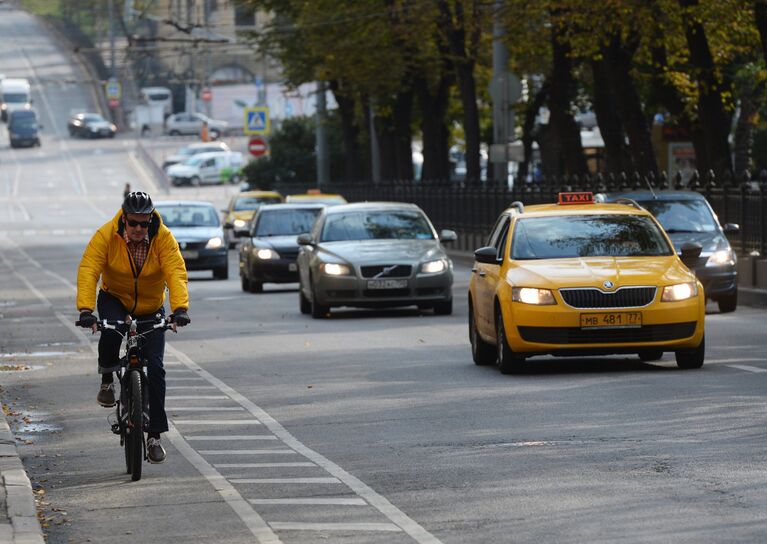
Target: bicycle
x=131, y=418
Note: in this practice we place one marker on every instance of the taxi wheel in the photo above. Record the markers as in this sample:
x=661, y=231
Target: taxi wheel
x=651, y=355
x=482, y=352
x=303, y=303
x=692, y=358
x=508, y=361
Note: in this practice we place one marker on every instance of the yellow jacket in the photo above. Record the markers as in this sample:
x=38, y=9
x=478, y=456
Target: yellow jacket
x=107, y=256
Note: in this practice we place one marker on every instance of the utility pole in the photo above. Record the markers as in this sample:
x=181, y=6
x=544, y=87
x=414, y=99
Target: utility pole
x=323, y=158
x=375, y=152
x=206, y=78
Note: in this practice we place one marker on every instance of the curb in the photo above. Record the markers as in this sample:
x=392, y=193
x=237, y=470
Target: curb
x=18, y=514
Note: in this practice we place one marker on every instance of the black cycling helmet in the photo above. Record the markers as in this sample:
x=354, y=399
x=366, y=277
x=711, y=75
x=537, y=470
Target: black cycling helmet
x=137, y=202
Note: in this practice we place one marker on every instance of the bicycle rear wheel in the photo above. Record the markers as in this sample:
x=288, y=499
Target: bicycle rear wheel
x=136, y=425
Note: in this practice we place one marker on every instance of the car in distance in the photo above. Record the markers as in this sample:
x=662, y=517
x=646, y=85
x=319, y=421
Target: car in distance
x=90, y=125
x=269, y=252
x=208, y=167
x=191, y=123
x=317, y=197
x=241, y=209
x=583, y=278
x=198, y=231
x=23, y=129
x=374, y=254
x=686, y=216
x=187, y=151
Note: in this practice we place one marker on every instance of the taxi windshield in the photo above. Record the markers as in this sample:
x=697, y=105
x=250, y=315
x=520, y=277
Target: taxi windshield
x=377, y=225
x=285, y=222
x=569, y=236
x=681, y=215
x=253, y=202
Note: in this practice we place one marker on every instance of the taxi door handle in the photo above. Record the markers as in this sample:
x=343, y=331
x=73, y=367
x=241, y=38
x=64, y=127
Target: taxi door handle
x=478, y=271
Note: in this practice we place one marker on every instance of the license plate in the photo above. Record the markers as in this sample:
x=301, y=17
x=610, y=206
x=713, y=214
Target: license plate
x=190, y=254
x=612, y=320
x=387, y=284
x=292, y=267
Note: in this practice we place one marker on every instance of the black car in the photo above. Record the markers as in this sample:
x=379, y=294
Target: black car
x=90, y=125
x=23, y=129
x=688, y=217
x=269, y=253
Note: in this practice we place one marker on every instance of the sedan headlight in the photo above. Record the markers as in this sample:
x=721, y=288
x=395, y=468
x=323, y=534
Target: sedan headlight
x=335, y=269
x=214, y=243
x=680, y=291
x=434, y=267
x=721, y=258
x=265, y=254
x=532, y=295
x=239, y=223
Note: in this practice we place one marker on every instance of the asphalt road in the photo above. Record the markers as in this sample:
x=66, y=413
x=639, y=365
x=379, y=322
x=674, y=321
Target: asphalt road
x=368, y=427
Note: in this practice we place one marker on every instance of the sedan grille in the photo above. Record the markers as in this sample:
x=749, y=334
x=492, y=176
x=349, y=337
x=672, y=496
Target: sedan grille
x=575, y=335
x=625, y=297
x=289, y=254
x=193, y=245
x=386, y=271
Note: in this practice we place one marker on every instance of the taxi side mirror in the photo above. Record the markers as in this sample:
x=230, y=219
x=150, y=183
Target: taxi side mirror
x=305, y=240
x=487, y=255
x=690, y=251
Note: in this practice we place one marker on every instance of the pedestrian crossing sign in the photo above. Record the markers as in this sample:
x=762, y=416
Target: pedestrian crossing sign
x=256, y=120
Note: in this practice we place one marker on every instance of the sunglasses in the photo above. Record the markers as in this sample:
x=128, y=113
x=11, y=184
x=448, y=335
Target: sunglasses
x=134, y=223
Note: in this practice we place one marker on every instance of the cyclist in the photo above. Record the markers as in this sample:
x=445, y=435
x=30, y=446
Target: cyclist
x=136, y=257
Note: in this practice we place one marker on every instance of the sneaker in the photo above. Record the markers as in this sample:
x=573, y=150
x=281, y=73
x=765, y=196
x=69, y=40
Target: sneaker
x=106, y=396
x=155, y=451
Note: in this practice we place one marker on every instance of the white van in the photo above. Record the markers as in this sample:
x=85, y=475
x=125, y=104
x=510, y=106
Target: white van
x=15, y=94
x=158, y=96
x=211, y=167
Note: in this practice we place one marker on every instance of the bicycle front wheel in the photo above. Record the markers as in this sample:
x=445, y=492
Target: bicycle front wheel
x=136, y=425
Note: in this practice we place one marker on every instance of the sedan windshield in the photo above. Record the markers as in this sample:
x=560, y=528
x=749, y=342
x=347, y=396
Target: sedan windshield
x=377, y=225
x=93, y=119
x=15, y=98
x=285, y=222
x=188, y=216
x=570, y=236
x=253, y=202
x=682, y=215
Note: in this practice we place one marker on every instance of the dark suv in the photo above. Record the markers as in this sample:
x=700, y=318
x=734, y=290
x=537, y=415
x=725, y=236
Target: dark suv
x=23, y=129
x=688, y=217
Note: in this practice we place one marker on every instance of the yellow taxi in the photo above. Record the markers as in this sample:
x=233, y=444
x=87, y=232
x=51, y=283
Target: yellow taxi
x=582, y=277
x=241, y=209
x=315, y=196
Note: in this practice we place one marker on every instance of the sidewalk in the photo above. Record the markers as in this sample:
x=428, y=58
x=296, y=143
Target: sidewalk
x=18, y=516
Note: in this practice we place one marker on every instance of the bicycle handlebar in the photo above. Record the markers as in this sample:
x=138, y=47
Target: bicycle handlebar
x=164, y=323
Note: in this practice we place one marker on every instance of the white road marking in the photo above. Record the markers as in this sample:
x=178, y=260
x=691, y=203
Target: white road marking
x=298, y=526
x=738, y=360
x=264, y=465
x=748, y=368
x=195, y=397
x=179, y=378
x=220, y=422
x=189, y=386
x=247, y=452
x=285, y=481
x=233, y=437
x=355, y=501
x=204, y=408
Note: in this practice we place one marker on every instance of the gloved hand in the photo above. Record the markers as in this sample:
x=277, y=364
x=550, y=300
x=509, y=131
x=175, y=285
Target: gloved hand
x=87, y=319
x=181, y=318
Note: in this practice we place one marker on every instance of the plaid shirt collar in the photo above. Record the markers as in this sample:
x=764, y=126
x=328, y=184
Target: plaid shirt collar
x=138, y=250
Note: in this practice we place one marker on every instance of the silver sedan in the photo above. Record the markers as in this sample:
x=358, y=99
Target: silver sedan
x=374, y=254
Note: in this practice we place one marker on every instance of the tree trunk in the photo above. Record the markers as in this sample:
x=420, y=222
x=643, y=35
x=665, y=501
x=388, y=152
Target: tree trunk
x=350, y=132
x=744, y=134
x=760, y=16
x=435, y=134
x=403, y=136
x=528, y=129
x=610, y=125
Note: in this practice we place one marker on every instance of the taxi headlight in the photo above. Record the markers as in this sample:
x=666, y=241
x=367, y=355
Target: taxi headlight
x=335, y=269
x=214, y=243
x=721, y=258
x=532, y=295
x=434, y=267
x=265, y=254
x=239, y=223
x=680, y=291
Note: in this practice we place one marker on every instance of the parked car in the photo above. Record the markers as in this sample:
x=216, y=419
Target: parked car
x=90, y=125
x=688, y=217
x=583, y=278
x=185, y=152
x=23, y=129
x=269, y=252
x=209, y=167
x=191, y=123
x=198, y=231
x=241, y=209
x=374, y=254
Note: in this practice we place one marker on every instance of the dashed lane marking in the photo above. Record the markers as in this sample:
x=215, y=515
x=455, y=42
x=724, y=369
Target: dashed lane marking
x=748, y=368
x=247, y=452
x=265, y=465
x=233, y=437
x=298, y=526
x=351, y=501
x=323, y=480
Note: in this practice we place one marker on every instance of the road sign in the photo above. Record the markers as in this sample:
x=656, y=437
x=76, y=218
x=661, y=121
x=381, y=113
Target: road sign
x=256, y=120
x=206, y=95
x=257, y=146
x=113, y=89
x=114, y=103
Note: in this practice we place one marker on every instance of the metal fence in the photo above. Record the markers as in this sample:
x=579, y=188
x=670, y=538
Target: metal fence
x=471, y=210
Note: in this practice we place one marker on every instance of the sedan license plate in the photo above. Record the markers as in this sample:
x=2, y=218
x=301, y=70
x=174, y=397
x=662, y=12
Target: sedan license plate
x=190, y=254
x=292, y=267
x=387, y=284
x=612, y=320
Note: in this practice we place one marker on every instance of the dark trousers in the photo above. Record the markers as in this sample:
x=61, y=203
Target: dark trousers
x=152, y=349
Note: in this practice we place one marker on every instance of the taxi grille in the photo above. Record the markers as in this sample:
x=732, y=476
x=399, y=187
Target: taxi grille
x=386, y=271
x=575, y=335
x=625, y=297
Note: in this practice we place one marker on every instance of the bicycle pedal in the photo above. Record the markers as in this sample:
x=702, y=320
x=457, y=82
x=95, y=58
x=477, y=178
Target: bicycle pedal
x=116, y=428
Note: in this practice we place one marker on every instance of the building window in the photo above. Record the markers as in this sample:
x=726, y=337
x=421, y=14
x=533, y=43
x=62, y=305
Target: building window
x=244, y=14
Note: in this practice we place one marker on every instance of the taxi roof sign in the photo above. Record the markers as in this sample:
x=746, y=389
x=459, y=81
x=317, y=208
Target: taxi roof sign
x=581, y=197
